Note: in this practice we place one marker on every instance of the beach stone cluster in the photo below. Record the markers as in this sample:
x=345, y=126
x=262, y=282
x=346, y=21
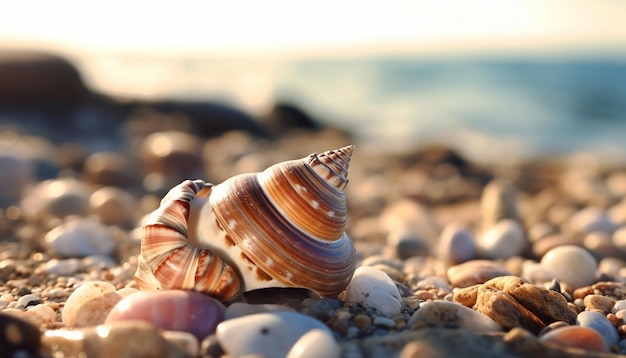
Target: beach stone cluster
x=516, y=260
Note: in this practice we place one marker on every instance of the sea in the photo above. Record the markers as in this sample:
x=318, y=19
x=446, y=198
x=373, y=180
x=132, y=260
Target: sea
x=498, y=108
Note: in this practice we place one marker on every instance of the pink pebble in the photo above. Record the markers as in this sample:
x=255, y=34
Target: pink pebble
x=171, y=310
x=577, y=337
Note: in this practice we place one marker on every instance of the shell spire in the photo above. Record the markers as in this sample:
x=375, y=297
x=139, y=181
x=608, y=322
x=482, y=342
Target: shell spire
x=282, y=227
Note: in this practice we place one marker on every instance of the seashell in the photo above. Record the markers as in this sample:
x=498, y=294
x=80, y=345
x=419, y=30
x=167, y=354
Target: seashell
x=282, y=227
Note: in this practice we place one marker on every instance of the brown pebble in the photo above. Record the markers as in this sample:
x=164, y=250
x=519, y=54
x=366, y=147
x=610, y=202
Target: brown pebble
x=599, y=303
x=362, y=321
x=474, y=272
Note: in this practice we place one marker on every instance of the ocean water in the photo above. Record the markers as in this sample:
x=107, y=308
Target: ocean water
x=488, y=108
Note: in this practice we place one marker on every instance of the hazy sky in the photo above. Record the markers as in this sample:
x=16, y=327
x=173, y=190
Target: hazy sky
x=268, y=26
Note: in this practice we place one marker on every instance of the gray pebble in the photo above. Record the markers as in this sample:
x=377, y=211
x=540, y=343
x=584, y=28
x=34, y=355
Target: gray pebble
x=600, y=323
x=503, y=240
x=456, y=244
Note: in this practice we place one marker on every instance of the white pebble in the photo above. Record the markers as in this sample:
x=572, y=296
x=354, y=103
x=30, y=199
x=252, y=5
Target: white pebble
x=64, y=267
x=315, y=343
x=384, y=321
x=503, y=240
x=372, y=288
x=267, y=334
x=619, y=305
x=89, y=304
x=571, y=264
x=592, y=219
x=79, y=238
x=27, y=299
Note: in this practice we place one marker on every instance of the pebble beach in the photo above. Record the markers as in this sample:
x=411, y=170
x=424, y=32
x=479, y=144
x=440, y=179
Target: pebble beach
x=453, y=257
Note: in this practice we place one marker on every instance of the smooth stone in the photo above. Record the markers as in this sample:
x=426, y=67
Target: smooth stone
x=474, y=272
x=63, y=267
x=186, y=341
x=114, y=206
x=444, y=314
x=172, y=310
x=576, y=337
x=619, y=305
x=108, y=169
x=372, y=288
x=89, y=304
x=611, y=266
x=117, y=339
x=619, y=238
x=456, y=244
x=533, y=272
x=81, y=237
x=18, y=337
x=600, y=323
x=498, y=201
x=406, y=242
x=412, y=215
x=44, y=315
x=240, y=309
x=540, y=247
x=503, y=240
x=57, y=197
x=30, y=299
x=592, y=219
x=15, y=175
x=271, y=335
x=599, y=303
x=315, y=343
x=559, y=261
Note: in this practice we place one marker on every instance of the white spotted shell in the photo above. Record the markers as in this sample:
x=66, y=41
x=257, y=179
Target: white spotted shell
x=282, y=227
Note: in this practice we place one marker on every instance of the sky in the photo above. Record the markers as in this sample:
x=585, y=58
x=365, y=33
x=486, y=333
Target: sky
x=285, y=26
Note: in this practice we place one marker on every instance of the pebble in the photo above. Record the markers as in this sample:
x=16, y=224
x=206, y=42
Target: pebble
x=108, y=169
x=63, y=267
x=533, y=272
x=407, y=242
x=559, y=261
x=474, y=272
x=314, y=344
x=80, y=237
x=28, y=300
x=118, y=339
x=15, y=175
x=89, y=304
x=43, y=314
x=267, y=334
x=498, y=201
x=240, y=309
x=503, y=240
x=576, y=337
x=173, y=310
x=372, y=288
x=187, y=342
x=18, y=337
x=114, y=206
x=57, y=197
x=591, y=219
x=599, y=303
x=456, y=244
x=619, y=305
x=444, y=314
x=600, y=324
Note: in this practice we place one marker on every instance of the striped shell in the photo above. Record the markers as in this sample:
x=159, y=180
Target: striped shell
x=282, y=227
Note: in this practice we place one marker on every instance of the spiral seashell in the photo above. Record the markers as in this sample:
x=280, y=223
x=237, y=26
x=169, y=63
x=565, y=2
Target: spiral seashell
x=282, y=227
